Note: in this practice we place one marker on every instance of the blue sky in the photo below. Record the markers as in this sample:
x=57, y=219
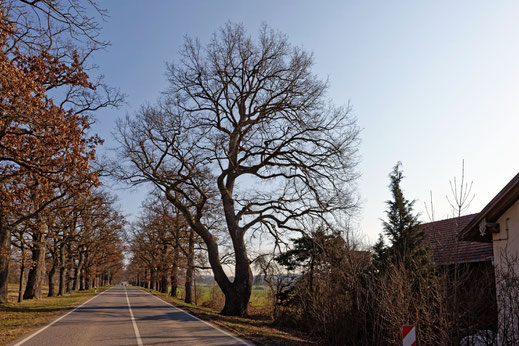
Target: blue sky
x=430, y=82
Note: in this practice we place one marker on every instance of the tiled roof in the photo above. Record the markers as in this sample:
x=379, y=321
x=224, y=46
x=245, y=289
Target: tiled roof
x=442, y=236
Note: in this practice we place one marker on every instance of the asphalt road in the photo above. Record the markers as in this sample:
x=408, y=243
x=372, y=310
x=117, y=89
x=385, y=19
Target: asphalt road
x=128, y=316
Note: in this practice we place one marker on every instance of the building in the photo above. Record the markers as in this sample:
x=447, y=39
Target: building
x=470, y=272
x=498, y=225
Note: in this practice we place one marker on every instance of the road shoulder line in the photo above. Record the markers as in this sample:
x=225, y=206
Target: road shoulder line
x=199, y=319
x=57, y=320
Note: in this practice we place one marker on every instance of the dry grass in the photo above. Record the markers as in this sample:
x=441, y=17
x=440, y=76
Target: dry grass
x=18, y=319
x=258, y=330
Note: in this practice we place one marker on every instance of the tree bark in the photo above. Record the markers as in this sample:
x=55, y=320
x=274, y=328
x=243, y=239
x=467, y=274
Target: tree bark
x=77, y=273
x=62, y=271
x=68, y=284
x=22, y=273
x=174, y=284
x=174, y=265
x=52, y=290
x=190, y=268
x=35, y=279
x=153, y=278
x=81, y=280
x=87, y=279
x=52, y=272
x=174, y=274
x=237, y=293
x=163, y=271
x=5, y=255
x=164, y=283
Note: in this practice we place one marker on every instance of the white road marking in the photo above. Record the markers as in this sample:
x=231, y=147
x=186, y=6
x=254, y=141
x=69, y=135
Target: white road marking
x=196, y=318
x=135, y=328
x=57, y=320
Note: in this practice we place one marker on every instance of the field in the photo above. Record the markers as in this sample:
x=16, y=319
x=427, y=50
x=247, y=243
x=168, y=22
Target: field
x=17, y=319
x=210, y=295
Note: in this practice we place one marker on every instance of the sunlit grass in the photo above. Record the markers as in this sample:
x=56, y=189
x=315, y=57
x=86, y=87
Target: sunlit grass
x=260, y=297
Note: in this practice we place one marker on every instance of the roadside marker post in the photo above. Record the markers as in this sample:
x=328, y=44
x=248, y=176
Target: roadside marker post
x=409, y=335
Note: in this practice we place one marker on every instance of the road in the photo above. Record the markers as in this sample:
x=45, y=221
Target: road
x=128, y=316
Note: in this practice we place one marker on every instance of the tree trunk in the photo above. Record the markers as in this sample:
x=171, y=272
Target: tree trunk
x=164, y=283
x=153, y=279
x=22, y=273
x=87, y=279
x=174, y=267
x=81, y=280
x=190, y=268
x=163, y=271
x=77, y=272
x=62, y=271
x=35, y=279
x=69, y=268
x=237, y=293
x=238, y=296
x=52, y=290
x=5, y=255
x=68, y=286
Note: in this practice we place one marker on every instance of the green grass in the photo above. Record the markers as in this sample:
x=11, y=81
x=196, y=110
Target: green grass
x=18, y=319
x=259, y=295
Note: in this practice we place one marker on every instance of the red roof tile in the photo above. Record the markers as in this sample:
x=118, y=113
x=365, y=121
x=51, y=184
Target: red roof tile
x=442, y=236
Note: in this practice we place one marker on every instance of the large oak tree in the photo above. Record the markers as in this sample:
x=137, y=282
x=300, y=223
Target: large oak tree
x=244, y=133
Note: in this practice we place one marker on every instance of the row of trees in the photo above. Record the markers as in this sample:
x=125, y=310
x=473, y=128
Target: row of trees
x=46, y=149
x=76, y=242
x=166, y=252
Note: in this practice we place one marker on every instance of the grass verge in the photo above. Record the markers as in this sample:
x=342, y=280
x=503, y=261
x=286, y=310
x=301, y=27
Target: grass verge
x=18, y=319
x=258, y=331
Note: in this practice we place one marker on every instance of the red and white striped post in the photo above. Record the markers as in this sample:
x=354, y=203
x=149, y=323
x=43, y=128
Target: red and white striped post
x=409, y=335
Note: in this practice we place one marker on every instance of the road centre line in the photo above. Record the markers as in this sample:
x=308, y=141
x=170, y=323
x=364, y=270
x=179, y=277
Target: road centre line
x=135, y=328
x=196, y=318
x=57, y=320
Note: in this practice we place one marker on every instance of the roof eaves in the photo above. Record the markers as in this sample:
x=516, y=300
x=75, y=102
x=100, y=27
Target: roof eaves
x=476, y=230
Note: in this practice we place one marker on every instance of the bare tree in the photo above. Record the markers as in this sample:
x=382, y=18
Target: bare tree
x=245, y=129
x=462, y=195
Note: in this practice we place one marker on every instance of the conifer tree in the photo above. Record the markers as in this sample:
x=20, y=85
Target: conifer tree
x=402, y=224
x=380, y=252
